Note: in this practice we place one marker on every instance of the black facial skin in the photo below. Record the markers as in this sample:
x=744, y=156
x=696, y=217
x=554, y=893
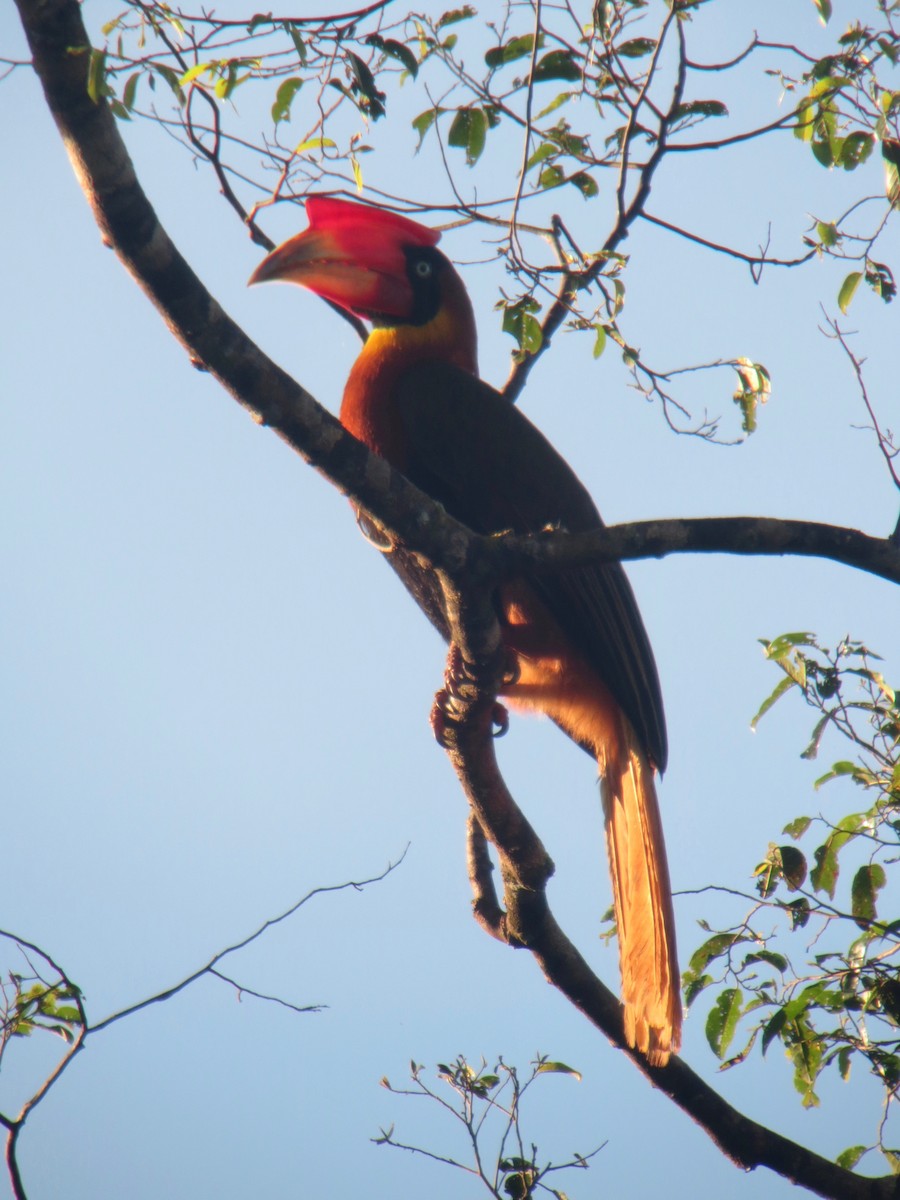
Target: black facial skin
x=424, y=267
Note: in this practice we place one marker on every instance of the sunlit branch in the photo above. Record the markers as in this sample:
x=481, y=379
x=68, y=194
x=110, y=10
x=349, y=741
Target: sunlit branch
x=526, y=138
x=889, y=450
x=209, y=968
x=753, y=260
x=755, y=45
x=333, y=19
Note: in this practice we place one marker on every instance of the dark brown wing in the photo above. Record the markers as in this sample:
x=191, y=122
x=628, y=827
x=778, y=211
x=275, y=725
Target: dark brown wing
x=493, y=470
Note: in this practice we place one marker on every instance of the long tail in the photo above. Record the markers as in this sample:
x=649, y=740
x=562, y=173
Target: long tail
x=643, y=901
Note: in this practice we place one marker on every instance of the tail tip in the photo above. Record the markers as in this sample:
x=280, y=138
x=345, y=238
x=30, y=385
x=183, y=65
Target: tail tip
x=657, y=1043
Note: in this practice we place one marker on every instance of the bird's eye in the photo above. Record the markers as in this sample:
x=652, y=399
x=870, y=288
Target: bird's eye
x=423, y=268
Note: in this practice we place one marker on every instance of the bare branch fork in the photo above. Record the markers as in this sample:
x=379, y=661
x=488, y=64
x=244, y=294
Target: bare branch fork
x=83, y=1028
x=467, y=566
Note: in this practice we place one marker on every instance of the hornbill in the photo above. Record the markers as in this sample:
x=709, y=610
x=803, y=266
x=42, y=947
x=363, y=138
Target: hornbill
x=576, y=638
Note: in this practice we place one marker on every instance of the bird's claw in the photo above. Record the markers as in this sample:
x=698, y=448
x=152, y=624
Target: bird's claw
x=511, y=670
x=447, y=709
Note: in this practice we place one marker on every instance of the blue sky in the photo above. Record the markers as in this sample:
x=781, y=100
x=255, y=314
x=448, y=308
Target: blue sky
x=215, y=695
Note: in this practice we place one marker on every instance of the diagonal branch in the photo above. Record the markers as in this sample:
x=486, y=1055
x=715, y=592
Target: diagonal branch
x=467, y=566
x=529, y=923
x=628, y=212
x=215, y=343
x=878, y=556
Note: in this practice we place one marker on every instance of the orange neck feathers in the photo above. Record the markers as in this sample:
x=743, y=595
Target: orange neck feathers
x=448, y=337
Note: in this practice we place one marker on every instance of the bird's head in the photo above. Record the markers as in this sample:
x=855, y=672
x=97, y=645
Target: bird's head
x=383, y=267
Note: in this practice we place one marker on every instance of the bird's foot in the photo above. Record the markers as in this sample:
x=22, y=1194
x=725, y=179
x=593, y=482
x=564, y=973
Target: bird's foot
x=450, y=700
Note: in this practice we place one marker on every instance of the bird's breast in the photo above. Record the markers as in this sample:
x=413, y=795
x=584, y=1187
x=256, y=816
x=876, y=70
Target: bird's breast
x=368, y=410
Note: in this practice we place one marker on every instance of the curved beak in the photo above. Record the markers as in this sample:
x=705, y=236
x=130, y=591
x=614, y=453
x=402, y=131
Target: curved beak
x=363, y=274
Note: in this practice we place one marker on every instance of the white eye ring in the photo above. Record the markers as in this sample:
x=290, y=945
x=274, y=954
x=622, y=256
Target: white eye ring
x=423, y=268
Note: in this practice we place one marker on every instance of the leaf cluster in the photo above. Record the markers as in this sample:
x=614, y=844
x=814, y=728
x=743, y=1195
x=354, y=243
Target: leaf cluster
x=487, y=1103
x=31, y=1004
x=821, y=980
x=593, y=104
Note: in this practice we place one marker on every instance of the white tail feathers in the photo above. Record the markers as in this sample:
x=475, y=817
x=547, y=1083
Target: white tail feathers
x=643, y=903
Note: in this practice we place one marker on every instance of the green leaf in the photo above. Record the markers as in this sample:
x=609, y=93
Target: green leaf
x=96, y=81
x=371, y=100
x=316, y=143
x=619, y=289
x=827, y=233
x=556, y=102
x=551, y=177
x=754, y=388
x=823, y=150
x=395, y=49
x=544, y=151
x=890, y=152
x=856, y=149
x=845, y=1055
x=66, y=1013
x=585, y=183
x=511, y=51
x=424, y=121
x=258, y=19
x=793, y=867
x=722, y=1021
x=130, y=91
x=781, y=688
x=800, y=911
x=848, y=290
x=599, y=341
x=812, y=749
x=558, y=1068
x=558, y=64
x=795, y=829
x=694, y=986
x=455, y=15
x=284, y=98
x=773, y=1028
x=780, y=646
x=714, y=947
x=469, y=132
x=805, y=1051
x=824, y=874
x=867, y=883
x=778, y=961
x=172, y=79
x=637, y=47
x=520, y=321
x=194, y=72
x=850, y=1157
x=880, y=279
x=803, y=130
x=824, y=8
x=299, y=45
x=700, y=108
x=231, y=80
x=838, y=770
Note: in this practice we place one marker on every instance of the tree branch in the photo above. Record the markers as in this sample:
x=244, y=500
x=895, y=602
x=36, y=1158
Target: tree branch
x=705, y=535
x=529, y=923
x=15, y=1125
x=214, y=342
x=217, y=344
